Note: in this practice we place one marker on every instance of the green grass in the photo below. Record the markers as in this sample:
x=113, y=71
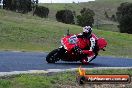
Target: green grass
x=37, y=80
x=24, y=33
x=28, y=33
x=107, y=27
x=51, y=80
x=110, y=71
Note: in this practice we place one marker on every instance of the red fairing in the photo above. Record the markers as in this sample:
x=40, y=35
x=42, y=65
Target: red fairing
x=67, y=45
x=101, y=43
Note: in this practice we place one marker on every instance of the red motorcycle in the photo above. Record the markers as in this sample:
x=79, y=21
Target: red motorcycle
x=69, y=51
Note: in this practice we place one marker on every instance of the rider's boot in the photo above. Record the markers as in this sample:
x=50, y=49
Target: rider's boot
x=84, y=61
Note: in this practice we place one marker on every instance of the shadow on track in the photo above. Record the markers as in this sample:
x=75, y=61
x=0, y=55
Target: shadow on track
x=79, y=64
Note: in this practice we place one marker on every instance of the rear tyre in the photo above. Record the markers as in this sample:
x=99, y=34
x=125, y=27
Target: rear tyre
x=53, y=57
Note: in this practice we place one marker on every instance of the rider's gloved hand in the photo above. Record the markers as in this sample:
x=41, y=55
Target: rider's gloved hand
x=78, y=50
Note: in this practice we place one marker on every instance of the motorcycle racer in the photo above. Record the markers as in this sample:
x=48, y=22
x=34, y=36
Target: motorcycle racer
x=87, y=42
x=83, y=47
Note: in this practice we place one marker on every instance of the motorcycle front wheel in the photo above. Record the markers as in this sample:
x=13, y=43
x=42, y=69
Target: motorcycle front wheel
x=53, y=56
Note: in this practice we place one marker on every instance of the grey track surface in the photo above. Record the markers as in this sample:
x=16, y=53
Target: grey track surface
x=23, y=61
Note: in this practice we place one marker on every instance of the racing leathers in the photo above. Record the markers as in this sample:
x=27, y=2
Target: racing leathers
x=87, y=44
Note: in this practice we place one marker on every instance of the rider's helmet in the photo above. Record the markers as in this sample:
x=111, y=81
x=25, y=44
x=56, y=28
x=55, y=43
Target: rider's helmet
x=87, y=30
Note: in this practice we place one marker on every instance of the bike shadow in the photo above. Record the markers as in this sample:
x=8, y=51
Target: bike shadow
x=80, y=64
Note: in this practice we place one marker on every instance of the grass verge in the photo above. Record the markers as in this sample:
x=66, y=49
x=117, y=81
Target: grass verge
x=58, y=80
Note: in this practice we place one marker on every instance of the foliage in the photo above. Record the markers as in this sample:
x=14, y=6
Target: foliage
x=113, y=18
x=41, y=11
x=65, y=16
x=106, y=14
x=86, y=17
x=22, y=6
x=124, y=17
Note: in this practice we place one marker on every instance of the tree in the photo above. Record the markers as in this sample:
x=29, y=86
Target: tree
x=113, y=17
x=41, y=11
x=106, y=14
x=86, y=17
x=1, y=3
x=124, y=17
x=65, y=16
x=34, y=5
x=22, y=6
x=7, y=4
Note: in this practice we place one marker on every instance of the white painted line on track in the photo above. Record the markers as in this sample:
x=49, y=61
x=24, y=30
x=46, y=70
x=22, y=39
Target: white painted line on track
x=57, y=70
x=22, y=72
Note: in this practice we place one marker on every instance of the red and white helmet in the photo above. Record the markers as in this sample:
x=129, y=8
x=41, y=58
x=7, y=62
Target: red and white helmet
x=87, y=30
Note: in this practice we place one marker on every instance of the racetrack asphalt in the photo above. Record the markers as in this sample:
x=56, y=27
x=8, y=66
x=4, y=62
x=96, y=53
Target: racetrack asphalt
x=23, y=61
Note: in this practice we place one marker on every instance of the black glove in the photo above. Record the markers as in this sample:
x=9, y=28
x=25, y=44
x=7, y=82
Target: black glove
x=77, y=50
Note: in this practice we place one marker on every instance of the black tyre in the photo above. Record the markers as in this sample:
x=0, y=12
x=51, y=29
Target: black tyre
x=53, y=57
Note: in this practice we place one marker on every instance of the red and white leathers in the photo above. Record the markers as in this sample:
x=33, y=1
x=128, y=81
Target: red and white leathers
x=87, y=44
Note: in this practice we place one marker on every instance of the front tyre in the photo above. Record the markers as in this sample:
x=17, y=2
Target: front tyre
x=53, y=56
